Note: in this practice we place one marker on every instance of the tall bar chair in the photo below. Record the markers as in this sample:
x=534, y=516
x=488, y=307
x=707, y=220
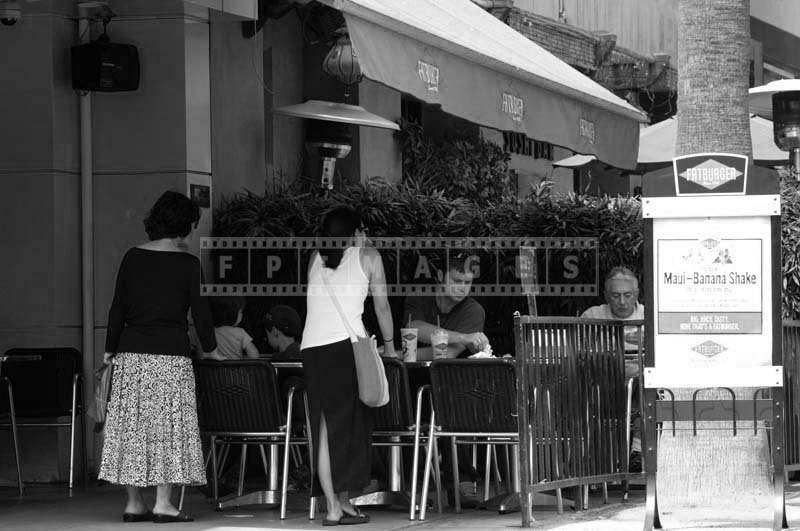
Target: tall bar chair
x=47, y=384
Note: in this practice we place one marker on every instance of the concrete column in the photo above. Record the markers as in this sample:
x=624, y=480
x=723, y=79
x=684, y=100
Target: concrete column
x=145, y=142
x=39, y=216
x=379, y=149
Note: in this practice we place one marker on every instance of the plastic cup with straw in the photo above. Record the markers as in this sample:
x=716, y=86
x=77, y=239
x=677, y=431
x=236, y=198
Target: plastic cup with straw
x=409, y=337
x=439, y=339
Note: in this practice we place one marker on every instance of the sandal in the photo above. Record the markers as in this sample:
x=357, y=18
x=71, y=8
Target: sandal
x=327, y=522
x=169, y=518
x=146, y=516
x=354, y=519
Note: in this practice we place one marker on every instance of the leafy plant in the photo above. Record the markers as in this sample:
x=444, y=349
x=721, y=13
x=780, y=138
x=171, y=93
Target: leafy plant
x=406, y=209
x=790, y=244
x=458, y=167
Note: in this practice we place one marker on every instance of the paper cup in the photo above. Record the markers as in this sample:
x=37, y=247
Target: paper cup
x=409, y=338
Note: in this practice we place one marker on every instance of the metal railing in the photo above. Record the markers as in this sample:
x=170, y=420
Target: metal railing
x=791, y=376
x=572, y=404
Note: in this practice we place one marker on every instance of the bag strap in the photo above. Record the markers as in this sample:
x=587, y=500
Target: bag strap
x=339, y=309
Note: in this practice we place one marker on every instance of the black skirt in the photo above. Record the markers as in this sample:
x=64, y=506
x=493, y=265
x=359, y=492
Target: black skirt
x=332, y=387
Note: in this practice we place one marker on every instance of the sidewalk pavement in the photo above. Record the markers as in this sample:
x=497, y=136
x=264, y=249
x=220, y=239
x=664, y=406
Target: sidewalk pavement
x=47, y=507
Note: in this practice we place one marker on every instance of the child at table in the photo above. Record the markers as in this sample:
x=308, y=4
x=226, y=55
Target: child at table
x=233, y=342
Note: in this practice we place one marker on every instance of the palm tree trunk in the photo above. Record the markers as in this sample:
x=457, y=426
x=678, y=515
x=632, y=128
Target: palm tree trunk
x=713, y=469
x=713, y=76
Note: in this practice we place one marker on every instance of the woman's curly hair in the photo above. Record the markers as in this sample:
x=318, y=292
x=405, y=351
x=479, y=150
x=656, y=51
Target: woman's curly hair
x=171, y=217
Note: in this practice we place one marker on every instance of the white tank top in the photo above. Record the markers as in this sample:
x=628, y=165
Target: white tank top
x=323, y=324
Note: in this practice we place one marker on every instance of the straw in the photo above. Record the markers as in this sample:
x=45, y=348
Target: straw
x=438, y=325
x=409, y=321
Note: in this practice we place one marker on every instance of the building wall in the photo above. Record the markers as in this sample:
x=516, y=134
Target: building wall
x=283, y=66
x=650, y=26
x=783, y=14
x=237, y=103
x=39, y=164
x=39, y=255
x=144, y=142
x=644, y=26
x=380, y=152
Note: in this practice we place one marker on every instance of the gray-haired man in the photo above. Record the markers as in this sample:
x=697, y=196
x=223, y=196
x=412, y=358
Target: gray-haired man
x=622, y=303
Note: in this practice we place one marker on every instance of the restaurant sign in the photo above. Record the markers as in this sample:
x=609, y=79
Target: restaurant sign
x=514, y=106
x=710, y=173
x=712, y=295
x=710, y=286
x=587, y=130
x=429, y=74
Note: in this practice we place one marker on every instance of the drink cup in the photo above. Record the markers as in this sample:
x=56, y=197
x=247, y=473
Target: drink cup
x=439, y=340
x=409, y=339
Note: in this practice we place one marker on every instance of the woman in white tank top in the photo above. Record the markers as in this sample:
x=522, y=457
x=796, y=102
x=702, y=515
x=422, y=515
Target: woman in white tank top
x=341, y=424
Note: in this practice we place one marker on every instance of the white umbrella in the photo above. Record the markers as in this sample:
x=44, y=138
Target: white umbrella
x=657, y=142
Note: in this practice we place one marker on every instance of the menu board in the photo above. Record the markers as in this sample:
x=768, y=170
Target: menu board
x=711, y=285
x=713, y=305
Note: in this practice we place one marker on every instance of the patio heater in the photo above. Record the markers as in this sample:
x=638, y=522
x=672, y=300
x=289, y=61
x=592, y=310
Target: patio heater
x=779, y=101
x=329, y=131
x=329, y=134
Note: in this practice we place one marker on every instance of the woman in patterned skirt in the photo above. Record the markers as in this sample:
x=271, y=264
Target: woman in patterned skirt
x=151, y=433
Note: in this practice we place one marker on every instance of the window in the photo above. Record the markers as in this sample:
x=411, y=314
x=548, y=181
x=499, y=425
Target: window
x=411, y=110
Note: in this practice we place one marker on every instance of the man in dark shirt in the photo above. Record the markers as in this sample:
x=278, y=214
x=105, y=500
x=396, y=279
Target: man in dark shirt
x=284, y=328
x=460, y=315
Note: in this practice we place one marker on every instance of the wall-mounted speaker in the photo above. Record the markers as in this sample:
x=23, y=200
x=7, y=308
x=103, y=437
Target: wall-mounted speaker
x=104, y=66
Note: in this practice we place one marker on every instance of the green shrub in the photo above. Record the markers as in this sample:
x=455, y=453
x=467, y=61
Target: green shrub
x=790, y=244
x=405, y=209
x=459, y=166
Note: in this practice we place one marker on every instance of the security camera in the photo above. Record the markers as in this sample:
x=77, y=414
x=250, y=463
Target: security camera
x=10, y=13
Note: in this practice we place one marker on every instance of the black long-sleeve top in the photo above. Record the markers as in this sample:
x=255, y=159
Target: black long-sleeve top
x=154, y=291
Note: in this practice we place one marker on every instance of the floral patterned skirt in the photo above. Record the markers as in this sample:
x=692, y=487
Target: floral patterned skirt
x=151, y=434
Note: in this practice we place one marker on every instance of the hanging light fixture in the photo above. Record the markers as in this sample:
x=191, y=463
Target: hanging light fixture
x=342, y=62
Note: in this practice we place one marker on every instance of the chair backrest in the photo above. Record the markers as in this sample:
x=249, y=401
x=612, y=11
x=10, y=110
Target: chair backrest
x=5, y=403
x=475, y=395
x=396, y=415
x=237, y=396
x=42, y=379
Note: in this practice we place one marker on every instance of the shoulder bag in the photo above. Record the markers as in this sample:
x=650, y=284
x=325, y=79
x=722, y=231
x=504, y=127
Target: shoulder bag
x=373, y=388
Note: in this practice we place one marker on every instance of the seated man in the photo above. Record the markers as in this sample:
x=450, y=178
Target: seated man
x=622, y=293
x=460, y=315
x=283, y=327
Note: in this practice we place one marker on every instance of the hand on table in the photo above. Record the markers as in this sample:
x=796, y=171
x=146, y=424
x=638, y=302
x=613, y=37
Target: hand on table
x=388, y=351
x=476, y=342
x=213, y=355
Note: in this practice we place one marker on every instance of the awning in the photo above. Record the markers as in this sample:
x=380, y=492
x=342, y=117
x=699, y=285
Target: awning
x=657, y=143
x=575, y=161
x=454, y=54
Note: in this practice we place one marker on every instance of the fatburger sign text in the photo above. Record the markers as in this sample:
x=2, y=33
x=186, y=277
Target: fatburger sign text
x=710, y=173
